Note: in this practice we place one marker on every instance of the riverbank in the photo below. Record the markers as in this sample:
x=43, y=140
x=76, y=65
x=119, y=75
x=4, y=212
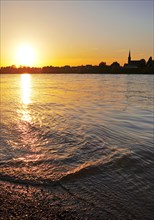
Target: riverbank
x=87, y=69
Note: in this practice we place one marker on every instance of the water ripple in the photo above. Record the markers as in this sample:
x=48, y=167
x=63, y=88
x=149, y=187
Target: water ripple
x=90, y=134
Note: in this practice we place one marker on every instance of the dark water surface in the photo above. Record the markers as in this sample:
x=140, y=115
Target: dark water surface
x=91, y=135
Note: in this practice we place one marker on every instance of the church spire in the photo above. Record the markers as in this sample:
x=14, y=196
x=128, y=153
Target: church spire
x=129, y=58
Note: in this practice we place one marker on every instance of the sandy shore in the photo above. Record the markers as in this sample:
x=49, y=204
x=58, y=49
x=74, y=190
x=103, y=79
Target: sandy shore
x=26, y=202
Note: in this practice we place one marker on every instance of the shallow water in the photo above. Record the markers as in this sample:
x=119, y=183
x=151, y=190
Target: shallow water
x=91, y=135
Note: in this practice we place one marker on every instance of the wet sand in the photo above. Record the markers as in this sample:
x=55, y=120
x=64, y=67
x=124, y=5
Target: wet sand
x=26, y=202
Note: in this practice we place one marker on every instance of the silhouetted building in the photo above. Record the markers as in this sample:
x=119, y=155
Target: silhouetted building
x=134, y=63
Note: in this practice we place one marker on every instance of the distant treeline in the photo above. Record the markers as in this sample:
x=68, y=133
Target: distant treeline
x=114, y=68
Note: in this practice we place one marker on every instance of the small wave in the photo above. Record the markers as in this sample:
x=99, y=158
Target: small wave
x=27, y=182
x=46, y=171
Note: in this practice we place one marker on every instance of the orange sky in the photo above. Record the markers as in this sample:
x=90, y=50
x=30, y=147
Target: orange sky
x=40, y=33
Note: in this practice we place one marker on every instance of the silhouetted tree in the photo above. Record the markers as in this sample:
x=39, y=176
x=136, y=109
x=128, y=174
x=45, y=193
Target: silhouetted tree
x=149, y=63
x=102, y=64
x=142, y=63
x=115, y=65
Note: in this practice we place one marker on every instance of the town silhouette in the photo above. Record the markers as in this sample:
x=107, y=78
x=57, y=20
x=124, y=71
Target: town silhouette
x=132, y=67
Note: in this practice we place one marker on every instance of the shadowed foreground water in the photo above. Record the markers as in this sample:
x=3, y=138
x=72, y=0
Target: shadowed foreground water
x=86, y=139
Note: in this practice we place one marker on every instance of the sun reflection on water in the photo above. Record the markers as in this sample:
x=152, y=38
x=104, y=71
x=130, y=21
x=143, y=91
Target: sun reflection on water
x=24, y=111
x=26, y=88
x=29, y=135
x=25, y=115
x=25, y=97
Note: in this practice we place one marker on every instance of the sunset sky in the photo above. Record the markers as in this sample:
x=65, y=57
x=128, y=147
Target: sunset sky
x=40, y=33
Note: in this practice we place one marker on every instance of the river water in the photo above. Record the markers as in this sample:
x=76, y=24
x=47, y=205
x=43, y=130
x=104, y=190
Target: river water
x=91, y=135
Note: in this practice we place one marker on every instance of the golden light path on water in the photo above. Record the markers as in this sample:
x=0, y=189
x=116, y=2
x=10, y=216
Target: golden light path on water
x=25, y=96
x=26, y=88
x=28, y=137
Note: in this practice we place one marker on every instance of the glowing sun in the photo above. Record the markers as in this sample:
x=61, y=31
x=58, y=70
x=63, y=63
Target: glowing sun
x=25, y=55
